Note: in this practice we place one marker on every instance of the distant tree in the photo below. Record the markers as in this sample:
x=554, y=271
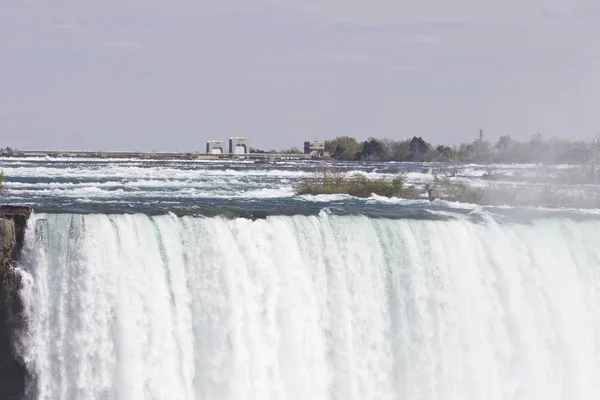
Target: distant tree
x=343, y=148
x=536, y=138
x=418, y=147
x=483, y=151
x=466, y=152
x=445, y=153
x=1, y=180
x=504, y=144
x=477, y=151
x=373, y=149
x=397, y=150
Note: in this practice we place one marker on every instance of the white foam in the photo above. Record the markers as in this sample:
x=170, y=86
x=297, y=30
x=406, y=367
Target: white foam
x=328, y=307
x=319, y=198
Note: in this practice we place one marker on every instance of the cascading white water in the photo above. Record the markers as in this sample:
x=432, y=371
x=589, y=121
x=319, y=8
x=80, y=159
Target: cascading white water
x=327, y=307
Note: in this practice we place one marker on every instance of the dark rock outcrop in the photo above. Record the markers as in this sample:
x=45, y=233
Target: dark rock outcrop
x=432, y=193
x=12, y=231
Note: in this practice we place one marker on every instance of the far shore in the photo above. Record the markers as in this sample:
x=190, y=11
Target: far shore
x=149, y=155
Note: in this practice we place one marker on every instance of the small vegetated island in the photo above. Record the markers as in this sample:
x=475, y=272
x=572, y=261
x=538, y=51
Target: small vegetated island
x=337, y=182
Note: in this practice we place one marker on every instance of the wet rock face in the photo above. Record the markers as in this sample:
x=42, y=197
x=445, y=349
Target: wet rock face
x=19, y=216
x=7, y=234
x=12, y=230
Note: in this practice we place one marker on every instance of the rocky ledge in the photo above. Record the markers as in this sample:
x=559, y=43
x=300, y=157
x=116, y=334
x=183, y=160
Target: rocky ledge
x=13, y=220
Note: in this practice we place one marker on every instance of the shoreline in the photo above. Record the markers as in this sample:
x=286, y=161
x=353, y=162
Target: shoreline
x=150, y=155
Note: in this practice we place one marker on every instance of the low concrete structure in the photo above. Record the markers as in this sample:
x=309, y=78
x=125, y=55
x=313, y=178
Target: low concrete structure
x=215, y=147
x=315, y=148
x=239, y=145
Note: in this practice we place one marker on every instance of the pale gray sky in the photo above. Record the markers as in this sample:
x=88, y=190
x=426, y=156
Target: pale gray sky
x=156, y=75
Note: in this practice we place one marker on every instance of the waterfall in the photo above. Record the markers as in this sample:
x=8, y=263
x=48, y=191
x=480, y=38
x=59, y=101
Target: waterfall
x=310, y=307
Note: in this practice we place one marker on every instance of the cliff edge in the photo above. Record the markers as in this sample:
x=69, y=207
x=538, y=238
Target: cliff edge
x=13, y=220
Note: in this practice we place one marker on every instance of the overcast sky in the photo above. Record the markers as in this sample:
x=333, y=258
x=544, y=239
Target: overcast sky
x=157, y=75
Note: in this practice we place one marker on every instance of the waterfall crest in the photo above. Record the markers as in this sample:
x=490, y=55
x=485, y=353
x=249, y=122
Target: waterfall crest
x=310, y=307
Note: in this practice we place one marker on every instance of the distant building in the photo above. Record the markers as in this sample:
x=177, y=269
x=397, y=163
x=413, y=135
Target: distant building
x=215, y=147
x=239, y=145
x=315, y=148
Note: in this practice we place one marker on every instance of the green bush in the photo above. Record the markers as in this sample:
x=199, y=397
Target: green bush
x=337, y=182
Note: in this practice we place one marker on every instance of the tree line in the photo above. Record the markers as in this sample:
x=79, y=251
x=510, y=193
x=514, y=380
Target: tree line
x=504, y=150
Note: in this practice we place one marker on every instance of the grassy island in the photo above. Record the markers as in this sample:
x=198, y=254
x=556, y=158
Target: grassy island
x=335, y=182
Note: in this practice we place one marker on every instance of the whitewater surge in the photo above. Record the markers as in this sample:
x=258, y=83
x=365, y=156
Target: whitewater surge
x=310, y=307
